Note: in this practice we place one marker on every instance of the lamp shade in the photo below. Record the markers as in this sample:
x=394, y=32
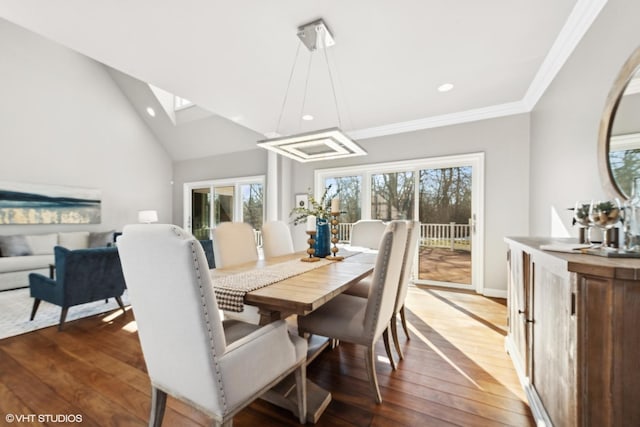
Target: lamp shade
x=147, y=217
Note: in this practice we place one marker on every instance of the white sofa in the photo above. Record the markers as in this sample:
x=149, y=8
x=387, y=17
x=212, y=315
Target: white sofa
x=24, y=254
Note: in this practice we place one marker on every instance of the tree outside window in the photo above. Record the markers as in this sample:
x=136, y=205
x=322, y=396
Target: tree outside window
x=348, y=189
x=252, y=205
x=392, y=196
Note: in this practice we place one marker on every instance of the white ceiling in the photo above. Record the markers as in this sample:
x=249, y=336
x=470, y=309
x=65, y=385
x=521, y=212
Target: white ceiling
x=234, y=57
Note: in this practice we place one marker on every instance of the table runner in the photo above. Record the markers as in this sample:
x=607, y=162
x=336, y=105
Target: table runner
x=230, y=290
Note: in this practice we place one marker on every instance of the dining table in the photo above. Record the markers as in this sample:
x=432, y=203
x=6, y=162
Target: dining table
x=284, y=286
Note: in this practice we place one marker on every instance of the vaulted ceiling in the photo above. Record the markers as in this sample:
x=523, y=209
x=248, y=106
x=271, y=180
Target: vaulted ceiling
x=234, y=58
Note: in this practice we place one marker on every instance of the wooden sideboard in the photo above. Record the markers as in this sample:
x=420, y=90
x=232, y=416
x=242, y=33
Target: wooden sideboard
x=574, y=334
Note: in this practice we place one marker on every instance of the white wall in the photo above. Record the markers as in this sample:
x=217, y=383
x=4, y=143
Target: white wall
x=63, y=121
x=565, y=122
x=505, y=142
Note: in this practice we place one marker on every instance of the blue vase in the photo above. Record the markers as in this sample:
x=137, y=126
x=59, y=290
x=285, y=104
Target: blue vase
x=323, y=238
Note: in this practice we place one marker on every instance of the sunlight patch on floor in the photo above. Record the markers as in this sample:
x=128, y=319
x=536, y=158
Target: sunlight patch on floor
x=444, y=357
x=131, y=327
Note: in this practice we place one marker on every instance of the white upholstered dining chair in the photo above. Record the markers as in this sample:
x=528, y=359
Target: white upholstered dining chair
x=366, y=233
x=234, y=243
x=362, y=288
x=276, y=239
x=362, y=321
x=191, y=354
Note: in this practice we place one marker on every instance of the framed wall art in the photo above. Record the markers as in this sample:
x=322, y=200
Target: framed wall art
x=22, y=203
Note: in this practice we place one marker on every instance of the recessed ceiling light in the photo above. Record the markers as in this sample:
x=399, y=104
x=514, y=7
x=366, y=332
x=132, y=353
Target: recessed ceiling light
x=307, y=117
x=445, y=87
x=151, y=112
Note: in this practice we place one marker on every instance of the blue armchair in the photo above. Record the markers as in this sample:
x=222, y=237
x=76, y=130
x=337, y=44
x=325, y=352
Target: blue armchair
x=82, y=276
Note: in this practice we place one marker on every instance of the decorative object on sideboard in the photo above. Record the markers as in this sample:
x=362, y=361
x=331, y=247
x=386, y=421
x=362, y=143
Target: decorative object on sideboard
x=632, y=219
x=23, y=203
x=148, y=216
x=605, y=214
x=331, y=143
x=581, y=218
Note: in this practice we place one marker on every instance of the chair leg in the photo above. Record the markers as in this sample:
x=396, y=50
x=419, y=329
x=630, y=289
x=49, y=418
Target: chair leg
x=387, y=348
x=404, y=322
x=36, y=304
x=301, y=389
x=158, y=403
x=394, y=334
x=63, y=316
x=119, y=300
x=370, y=362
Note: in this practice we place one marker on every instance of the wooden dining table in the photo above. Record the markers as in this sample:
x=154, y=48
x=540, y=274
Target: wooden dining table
x=300, y=295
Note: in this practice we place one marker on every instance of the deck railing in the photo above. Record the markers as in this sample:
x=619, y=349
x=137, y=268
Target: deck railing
x=452, y=236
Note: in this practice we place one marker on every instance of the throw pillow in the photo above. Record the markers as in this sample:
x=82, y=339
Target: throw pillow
x=42, y=244
x=14, y=246
x=74, y=240
x=101, y=239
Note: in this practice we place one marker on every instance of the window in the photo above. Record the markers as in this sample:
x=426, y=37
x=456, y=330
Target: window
x=445, y=194
x=392, y=195
x=209, y=203
x=348, y=189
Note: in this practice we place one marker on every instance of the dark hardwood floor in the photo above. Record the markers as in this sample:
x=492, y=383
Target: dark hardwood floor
x=455, y=372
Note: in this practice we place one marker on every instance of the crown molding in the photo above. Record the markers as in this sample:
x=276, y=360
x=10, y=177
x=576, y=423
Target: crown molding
x=491, y=112
x=578, y=23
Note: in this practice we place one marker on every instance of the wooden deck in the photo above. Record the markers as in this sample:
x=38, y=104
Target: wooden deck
x=445, y=265
x=455, y=372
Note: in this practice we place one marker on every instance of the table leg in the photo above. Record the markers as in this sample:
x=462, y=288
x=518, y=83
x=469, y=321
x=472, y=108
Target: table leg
x=268, y=316
x=284, y=394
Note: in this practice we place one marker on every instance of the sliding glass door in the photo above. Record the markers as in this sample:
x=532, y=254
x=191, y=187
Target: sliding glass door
x=201, y=212
x=444, y=194
x=445, y=253
x=210, y=203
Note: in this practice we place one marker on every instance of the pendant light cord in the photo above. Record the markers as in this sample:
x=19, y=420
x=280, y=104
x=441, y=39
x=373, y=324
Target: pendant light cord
x=286, y=94
x=304, y=96
x=333, y=87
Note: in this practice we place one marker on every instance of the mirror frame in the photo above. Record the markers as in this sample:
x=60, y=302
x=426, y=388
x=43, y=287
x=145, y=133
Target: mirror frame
x=630, y=67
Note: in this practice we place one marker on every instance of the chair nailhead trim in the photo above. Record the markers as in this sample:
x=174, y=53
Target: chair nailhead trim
x=207, y=320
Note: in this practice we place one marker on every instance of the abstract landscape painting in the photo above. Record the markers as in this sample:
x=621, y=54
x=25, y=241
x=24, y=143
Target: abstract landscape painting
x=48, y=204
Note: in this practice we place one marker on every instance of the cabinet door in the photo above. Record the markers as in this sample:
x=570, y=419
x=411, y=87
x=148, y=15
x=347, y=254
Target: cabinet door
x=609, y=351
x=518, y=280
x=553, y=342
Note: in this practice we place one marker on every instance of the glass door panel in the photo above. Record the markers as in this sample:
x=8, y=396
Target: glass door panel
x=201, y=212
x=223, y=204
x=392, y=196
x=444, y=209
x=252, y=205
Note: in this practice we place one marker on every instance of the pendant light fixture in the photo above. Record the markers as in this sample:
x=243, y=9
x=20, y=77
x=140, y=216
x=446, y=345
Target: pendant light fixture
x=322, y=144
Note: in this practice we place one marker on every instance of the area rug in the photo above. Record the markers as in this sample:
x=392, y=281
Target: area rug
x=15, y=309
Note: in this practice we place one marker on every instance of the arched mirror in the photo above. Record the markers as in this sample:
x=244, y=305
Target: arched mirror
x=619, y=139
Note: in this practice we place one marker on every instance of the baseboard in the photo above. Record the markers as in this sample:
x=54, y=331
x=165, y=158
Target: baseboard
x=537, y=408
x=495, y=293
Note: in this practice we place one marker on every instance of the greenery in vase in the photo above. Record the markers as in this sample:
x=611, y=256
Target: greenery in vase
x=606, y=213
x=581, y=215
x=319, y=208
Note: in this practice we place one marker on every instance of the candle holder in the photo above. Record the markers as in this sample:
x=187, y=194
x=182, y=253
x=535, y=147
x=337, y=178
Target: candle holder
x=311, y=240
x=334, y=237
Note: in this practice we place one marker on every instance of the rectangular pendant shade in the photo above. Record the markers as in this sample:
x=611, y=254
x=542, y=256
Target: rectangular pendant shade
x=322, y=144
